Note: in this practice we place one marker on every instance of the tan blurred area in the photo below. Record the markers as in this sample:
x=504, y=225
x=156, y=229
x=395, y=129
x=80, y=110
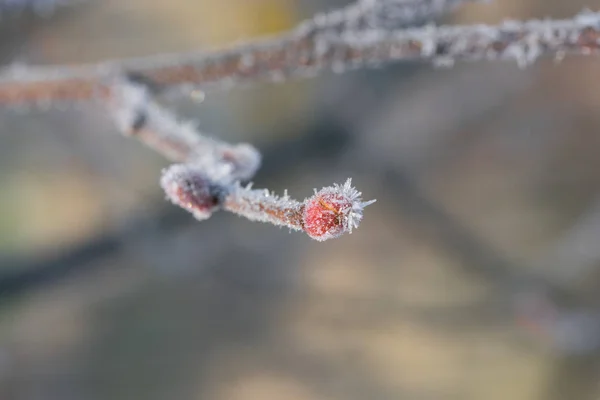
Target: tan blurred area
x=474, y=276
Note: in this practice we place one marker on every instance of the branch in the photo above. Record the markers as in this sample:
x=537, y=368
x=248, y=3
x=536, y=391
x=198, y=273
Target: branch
x=328, y=214
x=130, y=102
x=306, y=52
x=22, y=274
x=209, y=180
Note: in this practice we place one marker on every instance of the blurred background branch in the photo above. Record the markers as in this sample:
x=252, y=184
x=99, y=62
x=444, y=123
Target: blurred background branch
x=316, y=46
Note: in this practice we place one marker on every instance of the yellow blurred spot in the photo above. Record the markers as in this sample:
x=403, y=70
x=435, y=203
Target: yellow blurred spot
x=54, y=209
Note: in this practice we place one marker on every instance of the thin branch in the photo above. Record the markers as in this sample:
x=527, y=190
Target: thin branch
x=329, y=213
x=23, y=84
x=209, y=180
x=131, y=104
x=303, y=52
x=30, y=271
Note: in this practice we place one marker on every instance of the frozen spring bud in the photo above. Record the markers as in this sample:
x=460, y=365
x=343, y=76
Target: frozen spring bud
x=191, y=189
x=333, y=211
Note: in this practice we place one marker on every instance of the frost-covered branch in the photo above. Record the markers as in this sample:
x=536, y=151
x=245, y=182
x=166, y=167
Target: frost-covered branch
x=211, y=175
x=133, y=108
x=385, y=14
x=306, y=51
x=328, y=214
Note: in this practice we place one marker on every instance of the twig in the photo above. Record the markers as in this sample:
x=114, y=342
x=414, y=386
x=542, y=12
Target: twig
x=210, y=178
x=328, y=214
x=304, y=52
x=22, y=274
x=136, y=114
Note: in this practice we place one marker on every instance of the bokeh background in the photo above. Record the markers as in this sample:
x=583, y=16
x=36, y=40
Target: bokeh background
x=474, y=276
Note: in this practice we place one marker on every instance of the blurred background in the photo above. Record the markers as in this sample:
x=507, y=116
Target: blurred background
x=474, y=276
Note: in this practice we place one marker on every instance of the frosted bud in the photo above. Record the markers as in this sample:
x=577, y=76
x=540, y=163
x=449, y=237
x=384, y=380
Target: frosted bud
x=333, y=211
x=191, y=189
